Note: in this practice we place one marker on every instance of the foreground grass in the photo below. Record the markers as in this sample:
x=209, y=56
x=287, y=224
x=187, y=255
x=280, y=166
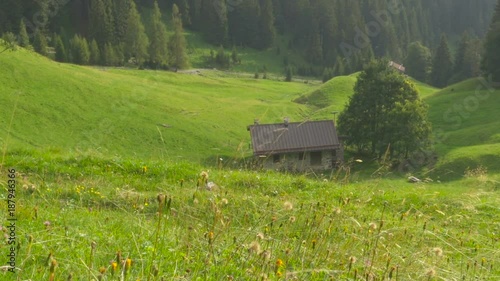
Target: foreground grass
x=81, y=210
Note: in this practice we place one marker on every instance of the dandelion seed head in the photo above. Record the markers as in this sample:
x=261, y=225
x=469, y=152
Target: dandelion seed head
x=260, y=235
x=431, y=272
x=254, y=247
x=292, y=219
x=352, y=259
x=266, y=255
x=438, y=251
x=288, y=206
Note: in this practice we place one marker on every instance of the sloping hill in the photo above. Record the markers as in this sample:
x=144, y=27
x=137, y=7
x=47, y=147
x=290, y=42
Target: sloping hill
x=333, y=95
x=467, y=125
x=134, y=112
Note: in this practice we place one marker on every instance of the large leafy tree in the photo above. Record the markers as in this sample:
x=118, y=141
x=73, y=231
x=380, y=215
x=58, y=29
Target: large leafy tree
x=418, y=61
x=385, y=113
x=491, y=57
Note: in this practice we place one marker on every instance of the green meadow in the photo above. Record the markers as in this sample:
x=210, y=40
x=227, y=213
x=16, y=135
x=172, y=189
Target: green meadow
x=111, y=167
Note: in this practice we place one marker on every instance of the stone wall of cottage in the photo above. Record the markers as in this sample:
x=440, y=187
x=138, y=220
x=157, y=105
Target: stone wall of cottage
x=303, y=161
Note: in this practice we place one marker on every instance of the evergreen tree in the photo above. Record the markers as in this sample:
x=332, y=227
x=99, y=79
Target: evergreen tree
x=95, y=53
x=213, y=21
x=40, y=43
x=442, y=64
x=234, y=56
x=221, y=59
x=80, y=52
x=467, y=59
x=266, y=23
x=244, y=24
x=10, y=42
x=491, y=57
x=339, y=68
x=418, y=61
x=24, y=40
x=61, y=55
x=315, y=49
x=108, y=55
x=177, y=43
x=158, y=50
x=100, y=23
x=288, y=74
x=136, y=40
x=460, y=55
x=121, y=10
x=184, y=10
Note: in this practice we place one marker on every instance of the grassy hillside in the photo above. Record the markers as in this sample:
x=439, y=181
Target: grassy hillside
x=133, y=112
x=465, y=119
x=79, y=212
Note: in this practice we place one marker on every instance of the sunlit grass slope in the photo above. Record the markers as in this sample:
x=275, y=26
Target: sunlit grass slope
x=133, y=112
x=466, y=121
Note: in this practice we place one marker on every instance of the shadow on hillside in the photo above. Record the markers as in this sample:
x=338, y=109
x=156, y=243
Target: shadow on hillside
x=456, y=169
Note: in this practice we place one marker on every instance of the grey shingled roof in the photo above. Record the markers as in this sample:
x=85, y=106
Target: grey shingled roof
x=268, y=139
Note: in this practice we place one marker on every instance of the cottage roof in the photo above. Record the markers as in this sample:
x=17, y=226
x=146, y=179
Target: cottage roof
x=397, y=66
x=268, y=139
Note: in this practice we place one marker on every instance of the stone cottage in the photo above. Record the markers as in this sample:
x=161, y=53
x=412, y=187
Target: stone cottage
x=300, y=146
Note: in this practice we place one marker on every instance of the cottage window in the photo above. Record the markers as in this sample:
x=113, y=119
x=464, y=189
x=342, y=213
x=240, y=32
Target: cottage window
x=316, y=158
x=302, y=155
x=276, y=158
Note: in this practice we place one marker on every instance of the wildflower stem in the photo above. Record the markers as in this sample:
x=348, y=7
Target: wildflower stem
x=377, y=239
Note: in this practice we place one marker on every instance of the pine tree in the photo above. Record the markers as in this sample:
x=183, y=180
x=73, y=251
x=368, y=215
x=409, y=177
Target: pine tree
x=100, y=23
x=222, y=59
x=266, y=23
x=40, y=43
x=80, y=52
x=108, y=55
x=234, y=56
x=288, y=74
x=184, y=10
x=213, y=21
x=136, y=40
x=442, y=64
x=24, y=40
x=177, y=43
x=418, y=61
x=61, y=55
x=491, y=57
x=315, y=49
x=121, y=16
x=95, y=53
x=158, y=50
x=244, y=24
